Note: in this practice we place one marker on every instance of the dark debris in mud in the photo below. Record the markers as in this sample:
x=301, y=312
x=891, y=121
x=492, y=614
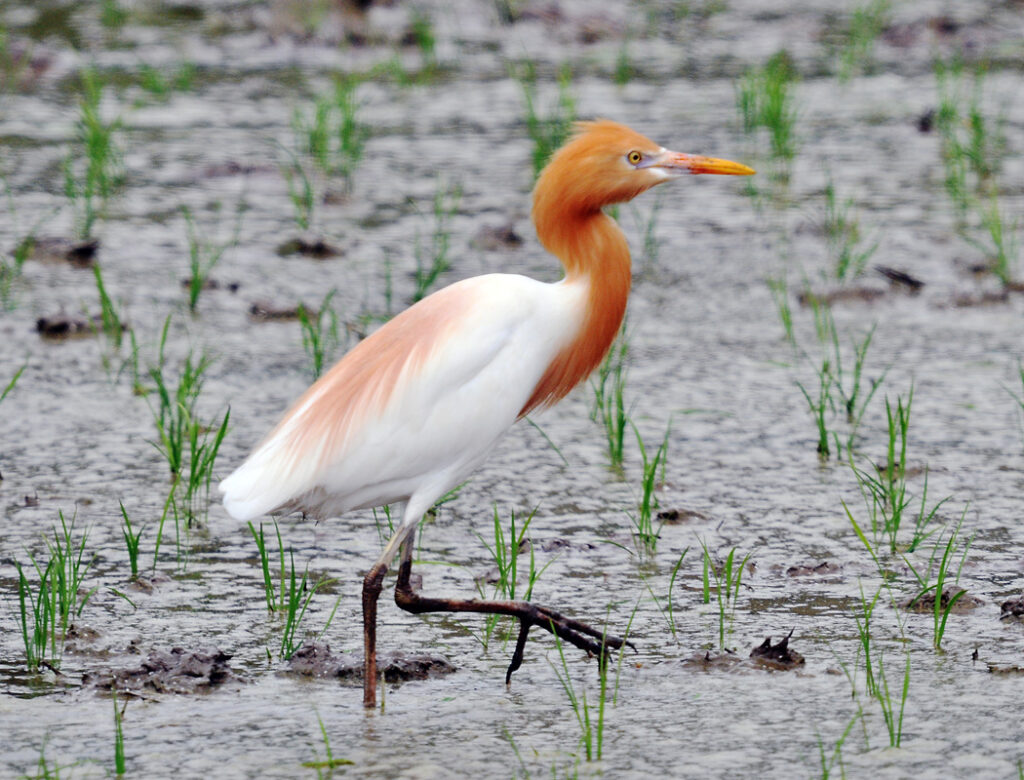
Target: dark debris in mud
x=315, y=659
x=309, y=246
x=177, y=671
x=213, y=284
x=777, y=657
x=493, y=237
x=765, y=657
x=679, y=516
x=823, y=569
x=265, y=311
x=58, y=327
x=1012, y=609
x=55, y=249
x=839, y=295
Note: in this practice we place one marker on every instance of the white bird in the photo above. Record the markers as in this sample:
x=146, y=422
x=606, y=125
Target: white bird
x=412, y=410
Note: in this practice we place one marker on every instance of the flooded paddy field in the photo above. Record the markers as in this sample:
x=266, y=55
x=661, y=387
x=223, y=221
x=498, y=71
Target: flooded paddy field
x=873, y=262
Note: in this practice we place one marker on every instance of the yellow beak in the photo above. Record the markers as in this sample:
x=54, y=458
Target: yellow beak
x=677, y=163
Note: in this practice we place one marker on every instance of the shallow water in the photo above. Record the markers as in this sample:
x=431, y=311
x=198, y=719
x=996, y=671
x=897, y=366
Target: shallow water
x=707, y=353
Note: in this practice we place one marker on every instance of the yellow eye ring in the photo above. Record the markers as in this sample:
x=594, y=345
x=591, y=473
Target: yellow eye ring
x=634, y=157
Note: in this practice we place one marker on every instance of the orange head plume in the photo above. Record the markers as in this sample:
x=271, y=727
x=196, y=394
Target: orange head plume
x=606, y=162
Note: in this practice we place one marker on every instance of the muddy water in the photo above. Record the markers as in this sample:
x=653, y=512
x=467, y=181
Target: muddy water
x=706, y=352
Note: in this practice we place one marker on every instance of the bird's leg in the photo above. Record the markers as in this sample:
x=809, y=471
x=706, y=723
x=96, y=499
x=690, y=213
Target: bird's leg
x=372, y=584
x=572, y=631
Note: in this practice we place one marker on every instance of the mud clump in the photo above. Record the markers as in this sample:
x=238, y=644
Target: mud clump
x=1012, y=609
x=765, y=657
x=954, y=599
x=777, y=657
x=679, y=516
x=316, y=248
x=315, y=659
x=494, y=237
x=54, y=249
x=823, y=569
x=58, y=327
x=177, y=671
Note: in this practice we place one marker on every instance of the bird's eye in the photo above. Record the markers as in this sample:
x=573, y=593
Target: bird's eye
x=634, y=157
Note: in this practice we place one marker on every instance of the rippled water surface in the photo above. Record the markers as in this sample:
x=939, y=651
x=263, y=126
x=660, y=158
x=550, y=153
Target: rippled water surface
x=707, y=355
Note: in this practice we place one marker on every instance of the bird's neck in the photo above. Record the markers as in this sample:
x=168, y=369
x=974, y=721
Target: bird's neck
x=596, y=256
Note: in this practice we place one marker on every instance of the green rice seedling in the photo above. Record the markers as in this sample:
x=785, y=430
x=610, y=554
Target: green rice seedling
x=300, y=191
x=1002, y=246
x=505, y=553
x=591, y=722
x=91, y=184
x=296, y=596
x=10, y=270
x=324, y=767
x=863, y=619
x=942, y=605
x=112, y=15
x=110, y=319
x=384, y=533
x=428, y=270
x=893, y=717
x=972, y=150
x=549, y=132
x=422, y=28
x=609, y=402
x=624, y=70
x=850, y=396
x=866, y=23
x=120, y=767
x=351, y=133
x=829, y=762
x=319, y=333
x=668, y=612
x=204, y=444
x=842, y=234
x=204, y=253
x=132, y=539
x=46, y=612
x=728, y=577
x=14, y=380
x=161, y=85
x=333, y=136
x=274, y=604
x=1018, y=398
x=821, y=408
x=780, y=295
x=645, y=535
x=764, y=99
x=38, y=616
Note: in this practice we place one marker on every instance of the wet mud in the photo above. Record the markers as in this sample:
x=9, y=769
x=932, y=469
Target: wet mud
x=709, y=360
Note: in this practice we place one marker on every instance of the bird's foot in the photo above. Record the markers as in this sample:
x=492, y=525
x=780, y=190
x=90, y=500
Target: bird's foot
x=581, y=635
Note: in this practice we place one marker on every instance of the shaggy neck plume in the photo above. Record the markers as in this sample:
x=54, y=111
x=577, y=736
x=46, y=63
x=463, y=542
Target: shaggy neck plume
x=595, y=254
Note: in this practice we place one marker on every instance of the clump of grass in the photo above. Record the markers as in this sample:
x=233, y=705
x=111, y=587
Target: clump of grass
x=780, y=295
x=668, y=612
x=624, y=70
x=10, y=269
x=132, y=539
x=764, y=99
x=866, y=23
x=1001, y=245
x=46, y=611
x=505, y=552
x=842, y=233
x=972, y=150
x=301, y=191
x=188, y=444
x=548, y=132
x=161, y=85
x=204, y=253
x=728, y=577
x=111, y=320
x=293, y=596
x=91, y=183
x=893, y=708
x=645, y=534
x=319, y=333
x=942, y=605
x=422, y=28
x=840, y=392
x=430, y=264
x=333, y=136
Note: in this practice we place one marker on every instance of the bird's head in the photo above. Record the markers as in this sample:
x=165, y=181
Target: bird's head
x=606, y=162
